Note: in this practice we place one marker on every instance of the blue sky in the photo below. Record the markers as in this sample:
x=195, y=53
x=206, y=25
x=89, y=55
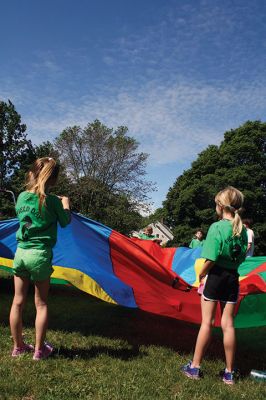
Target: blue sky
x=177, y=73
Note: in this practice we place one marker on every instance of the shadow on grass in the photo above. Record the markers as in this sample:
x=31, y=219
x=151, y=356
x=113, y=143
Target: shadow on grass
x=74, y=311
x=95, y=351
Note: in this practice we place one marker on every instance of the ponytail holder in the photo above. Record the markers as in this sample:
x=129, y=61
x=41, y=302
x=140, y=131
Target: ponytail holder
x=235, y=210
x=49, y=158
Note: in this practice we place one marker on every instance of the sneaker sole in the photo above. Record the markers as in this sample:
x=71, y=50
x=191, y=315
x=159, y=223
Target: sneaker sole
x=28, y=351
x=228, y=382
x=191, y=376
x=42, y=358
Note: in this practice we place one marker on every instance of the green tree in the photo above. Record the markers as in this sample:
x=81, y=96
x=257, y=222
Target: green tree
x=106, y=156
x=239, y=161
x=16, y=152
x=101, y=169
x=121, y=215
x=107, y=173
x=96, y=201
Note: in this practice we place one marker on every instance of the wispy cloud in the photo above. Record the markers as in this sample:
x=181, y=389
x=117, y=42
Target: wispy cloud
x=207, y=40
x=178, y=83
x=172, y=122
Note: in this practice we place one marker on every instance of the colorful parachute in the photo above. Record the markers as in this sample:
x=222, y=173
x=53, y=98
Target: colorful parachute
x=140, y=274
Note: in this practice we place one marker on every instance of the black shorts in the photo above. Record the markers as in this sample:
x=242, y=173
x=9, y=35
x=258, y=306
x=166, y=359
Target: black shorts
x=221, y=285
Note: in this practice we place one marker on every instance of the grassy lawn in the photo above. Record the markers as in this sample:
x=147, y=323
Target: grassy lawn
x=109, y=352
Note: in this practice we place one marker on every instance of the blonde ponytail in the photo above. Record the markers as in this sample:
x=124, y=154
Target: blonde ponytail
x=42, y=174
x=231, y=200
x=237, y=224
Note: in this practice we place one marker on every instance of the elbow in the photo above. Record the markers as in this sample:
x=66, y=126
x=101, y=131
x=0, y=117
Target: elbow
x=66, y=221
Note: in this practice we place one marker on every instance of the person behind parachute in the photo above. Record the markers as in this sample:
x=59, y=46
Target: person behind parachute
x=250, y=250
x=148, y=235
x=197, y=240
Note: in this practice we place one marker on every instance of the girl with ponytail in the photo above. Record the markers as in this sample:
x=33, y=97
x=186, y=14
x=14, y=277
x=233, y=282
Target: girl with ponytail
x=224, y=250
x=38, y=213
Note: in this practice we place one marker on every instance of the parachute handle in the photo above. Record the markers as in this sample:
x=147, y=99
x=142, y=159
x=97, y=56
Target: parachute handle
x=176, y=281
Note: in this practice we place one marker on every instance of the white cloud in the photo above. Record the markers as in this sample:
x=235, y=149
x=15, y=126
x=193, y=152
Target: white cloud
x=173, y=115
x=171, y=122
x=197, y=70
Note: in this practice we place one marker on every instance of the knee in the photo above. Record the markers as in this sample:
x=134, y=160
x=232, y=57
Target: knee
x=18, y=301
x=208, y=324
x=40, y=303
x=227, y=324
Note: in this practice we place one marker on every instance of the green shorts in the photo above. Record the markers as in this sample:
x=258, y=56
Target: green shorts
x=33, y=264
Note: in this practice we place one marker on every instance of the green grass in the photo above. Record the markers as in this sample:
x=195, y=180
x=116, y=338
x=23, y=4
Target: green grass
x=109, y=352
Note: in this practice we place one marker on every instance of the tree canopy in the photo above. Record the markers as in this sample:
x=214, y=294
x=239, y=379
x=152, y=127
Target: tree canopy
x=103, y=155
x=106, y=173
x=239, y=161
x=101, y=171
x=16, y=154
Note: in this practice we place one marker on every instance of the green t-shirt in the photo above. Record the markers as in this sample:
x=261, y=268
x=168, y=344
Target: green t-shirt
x=146, y=237
x=221, y=246
x=196, y=243
x=39, y=230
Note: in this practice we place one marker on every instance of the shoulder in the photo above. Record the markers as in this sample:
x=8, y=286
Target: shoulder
x=216, y=226
x=52, y=200
x=22, y=194
x=215, y=230
x=52, y=197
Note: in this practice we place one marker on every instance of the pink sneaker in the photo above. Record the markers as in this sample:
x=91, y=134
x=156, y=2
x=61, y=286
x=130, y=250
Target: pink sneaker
x=45, y=352
x=18, y=351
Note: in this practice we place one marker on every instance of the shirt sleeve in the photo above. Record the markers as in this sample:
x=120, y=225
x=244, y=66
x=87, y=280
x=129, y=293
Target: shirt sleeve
x=212, y=245
x=63, y=216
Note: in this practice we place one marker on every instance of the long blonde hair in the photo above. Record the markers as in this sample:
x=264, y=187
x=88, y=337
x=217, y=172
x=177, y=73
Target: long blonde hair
x=42, y=174
x=231, y=200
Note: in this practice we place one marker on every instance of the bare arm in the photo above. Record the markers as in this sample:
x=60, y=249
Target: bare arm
x=205, y=269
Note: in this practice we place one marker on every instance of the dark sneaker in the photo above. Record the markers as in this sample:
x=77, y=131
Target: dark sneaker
x=45, y=352
x=193, y=373
x=18, y=351
x=228, y=377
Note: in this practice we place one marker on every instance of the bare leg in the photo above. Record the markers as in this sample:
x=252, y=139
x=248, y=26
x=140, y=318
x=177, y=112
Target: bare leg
x=227, y=324
x=41, y=322
x=21, y=290
x=208, y=309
